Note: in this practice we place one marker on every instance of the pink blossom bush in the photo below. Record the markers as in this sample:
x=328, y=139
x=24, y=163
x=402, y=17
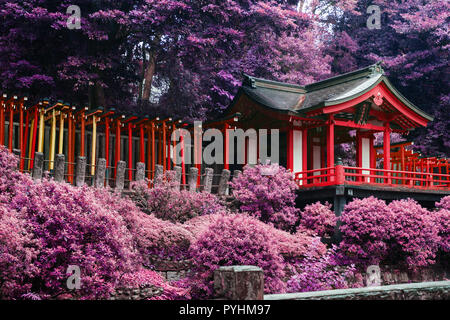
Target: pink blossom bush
x=442, y=221
x=75, y=229
x=366, y=230
x=235, y=240
x=56, y=225
x=166, y=201
x=267, y=192
x=292, y=247
x=323, y=273
x=442, y=218
x=18, y=252
x=319, y=218
x=402, y=233
x=444, y=203
x=414, y=232
x=154, y=238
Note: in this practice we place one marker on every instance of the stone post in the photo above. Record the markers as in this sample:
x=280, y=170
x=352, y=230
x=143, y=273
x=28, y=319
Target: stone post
x=192, y=182
x=178, y=173
x=59, y=167
x=223, y=183
x=16, y=152
x=236, y=174
x=208, y=180
x=80, y=174
x=38, y=165
x=99, y=179
x=239, y=283
x=120, y=178
x=159, y=172
x=140, y=171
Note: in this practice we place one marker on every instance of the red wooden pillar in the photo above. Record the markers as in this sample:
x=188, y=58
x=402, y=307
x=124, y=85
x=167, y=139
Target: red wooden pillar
x=330, y=142
x=25, y=141
x=169, y=158
x=226, y=148
x=2, y=120
x=149, y=153
x=387, y=150
x=153, y=150
x=141, y=144
x=117, y=148
x=107, y=124
x=70, y=147
x=164, y=145
x=402, y=155
x=160, y=145
x=130, y=151
x=34, y=133
x=82, y=132
x=11, y=126
x=21, y=144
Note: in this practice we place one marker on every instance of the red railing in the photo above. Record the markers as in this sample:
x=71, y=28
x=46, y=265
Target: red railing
x=340, y=175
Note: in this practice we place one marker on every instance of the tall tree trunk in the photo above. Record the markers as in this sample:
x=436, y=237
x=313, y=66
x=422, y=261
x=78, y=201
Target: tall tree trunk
x=96, y=95
x=148, y=77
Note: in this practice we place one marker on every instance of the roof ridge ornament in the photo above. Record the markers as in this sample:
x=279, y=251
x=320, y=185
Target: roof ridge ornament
x=249, y=80
x=376, y=69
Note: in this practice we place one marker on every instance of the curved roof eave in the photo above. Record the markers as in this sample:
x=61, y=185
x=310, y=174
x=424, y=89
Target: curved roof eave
x=386, y=81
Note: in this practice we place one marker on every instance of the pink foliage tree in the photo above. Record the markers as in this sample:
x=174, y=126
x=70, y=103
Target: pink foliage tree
x=323, y=273
x=235, y=239
x=402, y=233
x=46, y=226
x=366, y=229
x=415, y=233
x=267, y=192
x=319, y=218
x=166, y=201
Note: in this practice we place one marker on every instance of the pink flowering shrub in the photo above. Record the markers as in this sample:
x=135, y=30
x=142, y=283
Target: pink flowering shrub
x=444, y=203
x=166, y=201
x=234, y=240
x=323, y=273
x=267, y=192
x=442, y=218
x=319, y=218
x=154, y=238
x=414, y=232
x=292, y=247
x=75, y=229
x=55, y=225
x=402, y=233
x=366, y=230
x=18, y=251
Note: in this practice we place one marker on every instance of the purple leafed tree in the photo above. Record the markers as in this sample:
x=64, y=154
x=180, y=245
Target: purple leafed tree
x=175, y=57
